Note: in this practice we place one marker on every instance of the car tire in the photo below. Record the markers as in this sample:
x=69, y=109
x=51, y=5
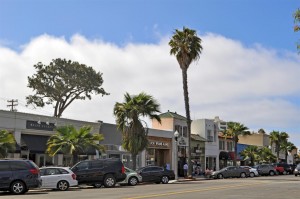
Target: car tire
x=220, y=176
x=97, y=185
x=132, y=181
x=63, y=185
x=243, y=175
x=296, y=175
x=252, y=175
x=284, y=173
x=271, y=173
x=18, y=187
x=109, y=181
x=165, y=179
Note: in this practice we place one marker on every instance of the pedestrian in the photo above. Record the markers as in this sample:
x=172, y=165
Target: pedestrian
x=185, y=169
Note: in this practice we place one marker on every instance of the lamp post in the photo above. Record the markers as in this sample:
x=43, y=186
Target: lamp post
x=176, y=134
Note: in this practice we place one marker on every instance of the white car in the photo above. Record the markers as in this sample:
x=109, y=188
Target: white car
x=132, y=177
x=253, y=171
x=57, y=178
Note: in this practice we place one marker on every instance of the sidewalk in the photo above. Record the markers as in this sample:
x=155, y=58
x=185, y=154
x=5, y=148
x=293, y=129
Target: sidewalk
x=194, y=178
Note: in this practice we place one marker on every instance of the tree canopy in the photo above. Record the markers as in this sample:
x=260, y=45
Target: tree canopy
x=61, y=82
x=297, y=22
x=7, y=143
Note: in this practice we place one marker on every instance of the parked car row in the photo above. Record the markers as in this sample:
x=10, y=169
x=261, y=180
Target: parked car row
x=18, y=176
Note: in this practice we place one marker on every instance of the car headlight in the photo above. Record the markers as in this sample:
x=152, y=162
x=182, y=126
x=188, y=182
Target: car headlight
x=296, y=169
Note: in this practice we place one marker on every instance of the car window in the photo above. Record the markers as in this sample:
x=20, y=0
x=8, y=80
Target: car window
x=51, y=171
x=19, y=165
x=82, y=166
x=157, y=169
x=97, y=164
x=63, y=171
x=147, y=169
x=4, y=166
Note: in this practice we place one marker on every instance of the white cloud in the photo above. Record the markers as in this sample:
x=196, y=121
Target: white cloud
x=251, y=85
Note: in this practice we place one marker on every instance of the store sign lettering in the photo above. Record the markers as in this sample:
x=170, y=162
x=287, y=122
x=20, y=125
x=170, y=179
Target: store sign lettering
x=163, y=144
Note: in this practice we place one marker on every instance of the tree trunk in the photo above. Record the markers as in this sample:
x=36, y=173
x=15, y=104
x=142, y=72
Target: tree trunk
x=188, y=118
x=277, y=152
x=75, y=158
x=133, y=156
x=235, y=150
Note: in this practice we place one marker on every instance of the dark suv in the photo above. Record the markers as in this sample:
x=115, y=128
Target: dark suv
x=99, y=172
x=18, y=176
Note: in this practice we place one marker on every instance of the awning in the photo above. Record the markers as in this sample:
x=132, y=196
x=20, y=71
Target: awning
x=223, y=155
x=231, y=155
x=35, y=143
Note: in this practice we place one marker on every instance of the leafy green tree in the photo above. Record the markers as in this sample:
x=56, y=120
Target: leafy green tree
x=61, y=82
x=186, y=47
x=7, y=143
x=69, y=140
x=297, y=21
x=278, y=138
x=251, y=152
x=235, y=129
x=129, y=116
x=265, y=155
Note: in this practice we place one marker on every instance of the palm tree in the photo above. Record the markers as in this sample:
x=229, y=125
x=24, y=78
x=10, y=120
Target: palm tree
x=250, y=152
x=186, y=47
x=69, y=140
x=287, y=146
x=235, y=129
x=128, y=118
x=7, y=143
x=265, y=155
x=297, y=26
x=277, y=139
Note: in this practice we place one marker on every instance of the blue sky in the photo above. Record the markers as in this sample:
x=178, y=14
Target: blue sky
x=248, y=71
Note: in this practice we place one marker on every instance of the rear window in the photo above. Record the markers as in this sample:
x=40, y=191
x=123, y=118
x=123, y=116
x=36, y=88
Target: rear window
x=19, y=165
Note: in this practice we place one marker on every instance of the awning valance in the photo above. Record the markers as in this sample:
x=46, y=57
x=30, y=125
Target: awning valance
x=35, y=143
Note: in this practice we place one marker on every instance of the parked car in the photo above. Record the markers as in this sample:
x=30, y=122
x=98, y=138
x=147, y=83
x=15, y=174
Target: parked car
x=279, y=169
x=100, y=172
x=60, y=178
x=231, y=172
x=287, y=169
x=297, y=170
x=156, y=174
x=18, y=176
x=266, y=169
x=253, y=171
x=132, y=177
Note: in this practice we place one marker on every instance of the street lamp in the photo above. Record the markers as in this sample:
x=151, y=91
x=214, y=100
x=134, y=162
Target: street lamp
x=176, y=134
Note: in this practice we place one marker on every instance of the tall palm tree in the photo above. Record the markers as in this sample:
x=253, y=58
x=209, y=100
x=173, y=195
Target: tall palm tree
x=235, y=129
x=266, y=156
x=129, y=116
x=297, y=26
x=186, y=47
x=69, y=140
x=277, y=138
x=250, y=152
x=7, y=143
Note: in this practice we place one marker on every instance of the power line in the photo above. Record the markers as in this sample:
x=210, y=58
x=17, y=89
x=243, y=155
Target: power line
x=12, y=104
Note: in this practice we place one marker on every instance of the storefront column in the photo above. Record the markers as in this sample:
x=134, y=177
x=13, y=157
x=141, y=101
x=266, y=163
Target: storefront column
x=143, y=158
x=60, y=158
x=17, y=135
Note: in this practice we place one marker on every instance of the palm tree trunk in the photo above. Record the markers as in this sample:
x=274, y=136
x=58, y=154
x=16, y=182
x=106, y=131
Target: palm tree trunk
x=188, y=118
x=75, y=158
x=277, y=152
x=133, y=156
x=235, y=150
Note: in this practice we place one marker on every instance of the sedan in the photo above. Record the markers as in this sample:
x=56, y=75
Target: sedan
x=231, y=172
x=60, y=178
x=297, y=170
x=156, y=174
x=132, y=177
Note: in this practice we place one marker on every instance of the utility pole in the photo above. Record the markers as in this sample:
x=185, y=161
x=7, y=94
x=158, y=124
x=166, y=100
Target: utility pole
x=12, y=104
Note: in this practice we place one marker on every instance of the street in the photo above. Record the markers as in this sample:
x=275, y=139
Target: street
x=276, y=187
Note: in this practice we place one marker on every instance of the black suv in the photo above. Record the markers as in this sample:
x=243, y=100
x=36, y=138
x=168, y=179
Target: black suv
x=99, y=172
x=287, y=168
x=18, y=176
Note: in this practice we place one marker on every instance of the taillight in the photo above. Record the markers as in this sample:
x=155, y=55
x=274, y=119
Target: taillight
x=34, y=171
x=123, y=169
x=74, y=176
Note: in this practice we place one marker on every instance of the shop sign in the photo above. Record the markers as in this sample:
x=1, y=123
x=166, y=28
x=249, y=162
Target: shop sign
x=158, y=144
x=39, y=125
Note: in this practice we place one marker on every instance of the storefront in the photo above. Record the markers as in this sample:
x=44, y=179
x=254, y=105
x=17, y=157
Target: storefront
x=159, y=151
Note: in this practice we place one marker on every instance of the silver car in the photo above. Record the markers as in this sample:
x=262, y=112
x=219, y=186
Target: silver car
x=132, y=177
x=253, y=171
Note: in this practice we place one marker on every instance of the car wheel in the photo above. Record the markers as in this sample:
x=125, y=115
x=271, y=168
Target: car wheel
x=243, y=175
x=220, y=176
x=18, y=187
x=109, y=181
x=165, y=179
x=296, y=175
x=284, y=172
x=271, y=173
x=97, y=185
x=63, y=185
x=251, y=175
x=132, y=181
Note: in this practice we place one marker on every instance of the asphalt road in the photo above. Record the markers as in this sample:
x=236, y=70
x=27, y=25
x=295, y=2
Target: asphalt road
x=275, y=187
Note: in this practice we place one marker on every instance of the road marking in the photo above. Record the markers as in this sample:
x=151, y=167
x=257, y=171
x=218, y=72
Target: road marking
x=194, y=190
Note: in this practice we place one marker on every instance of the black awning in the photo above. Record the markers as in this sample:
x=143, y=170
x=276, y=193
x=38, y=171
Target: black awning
x=35, y=143
x=223, y=155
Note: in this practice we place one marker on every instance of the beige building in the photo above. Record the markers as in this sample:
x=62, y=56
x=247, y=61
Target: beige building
x=258, y=139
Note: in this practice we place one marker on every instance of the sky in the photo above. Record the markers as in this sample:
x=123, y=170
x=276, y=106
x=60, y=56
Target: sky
x=248, y=71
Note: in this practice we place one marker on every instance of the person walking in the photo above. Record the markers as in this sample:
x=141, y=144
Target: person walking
x=185, y=169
